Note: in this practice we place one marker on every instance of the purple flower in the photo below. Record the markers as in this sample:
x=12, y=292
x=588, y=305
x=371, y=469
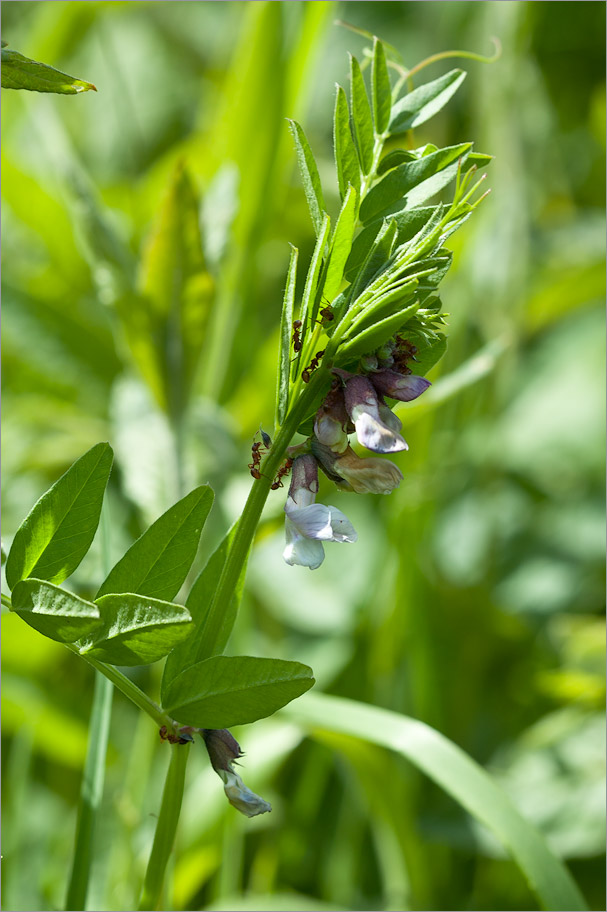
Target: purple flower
x=224, y=750
x=399, y=386
x=363, y=408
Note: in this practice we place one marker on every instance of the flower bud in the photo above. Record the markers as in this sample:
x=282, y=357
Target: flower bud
x=399, y=386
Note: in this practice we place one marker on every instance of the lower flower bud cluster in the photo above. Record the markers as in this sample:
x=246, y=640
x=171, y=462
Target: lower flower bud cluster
x=355, y=404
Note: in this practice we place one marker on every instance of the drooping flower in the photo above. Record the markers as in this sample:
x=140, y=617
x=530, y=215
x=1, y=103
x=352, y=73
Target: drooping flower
x=363, y=408
x=224, y=750
x=405, y=387
x=331, y=423
x=368, y=476
x=308, y=524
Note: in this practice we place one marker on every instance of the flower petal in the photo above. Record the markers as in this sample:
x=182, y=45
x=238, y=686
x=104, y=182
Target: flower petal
x=368, y=476
x=241, y=797
x=313, y=521
x=305, y=552
x=399, y=386
x=373, y=434
x=343, y=530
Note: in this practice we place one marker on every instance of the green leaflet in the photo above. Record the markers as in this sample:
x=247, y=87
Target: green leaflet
x=234, y=690
x=341, y=244
x=422, y=103
x=408, y=221
x=177, y=292
x=346, y=158
x=54, y=612
x=200, y=605
x=286, y=331
x=377, y=257
x=19, y=72
x=430, y=349
x=375, y=336
x=135, y=630
x=395, y=301
x=380, y=88
x=459, y=775
x=400, y=181
x=309, y=175
x=159, y=561
x=311, y=285
x=52, y=540
x=362, y=120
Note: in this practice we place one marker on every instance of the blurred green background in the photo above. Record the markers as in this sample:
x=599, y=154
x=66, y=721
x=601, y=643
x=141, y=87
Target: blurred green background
x=473, y=599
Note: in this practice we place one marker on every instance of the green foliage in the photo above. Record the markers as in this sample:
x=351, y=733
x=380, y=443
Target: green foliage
x=232, y=690
x=57, y=533
x=54, y=612
x=158, y=562
x=424, y=102
x=19, y=72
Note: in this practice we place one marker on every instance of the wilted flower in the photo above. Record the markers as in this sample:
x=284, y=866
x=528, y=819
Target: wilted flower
x=363, y=408
x=368, y=476
x=332, y=421
x=224, y=750
x=399, y=386
x=308, y=524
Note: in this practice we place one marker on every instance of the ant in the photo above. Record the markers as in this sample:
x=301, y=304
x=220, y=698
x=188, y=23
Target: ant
x=296, y=337
x=283, y=470
x=312, y=366
x=256, y=450
x=405, y=352
x=326, y=314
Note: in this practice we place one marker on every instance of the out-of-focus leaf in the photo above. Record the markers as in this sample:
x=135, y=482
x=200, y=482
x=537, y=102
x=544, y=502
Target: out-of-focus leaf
x=159, y=561
x=461, y=778
x=380, y=88
x=346, y=159
x=54, y=612
x=397, y=183
x=135, y=630
x=361, y=116
x=286, y=330
x=57, y=533
x=309, y=175
x=422, y=103
x=19, y=72
x=177, y=291
x=200, y=605
x=234, y=690
x=341, y=245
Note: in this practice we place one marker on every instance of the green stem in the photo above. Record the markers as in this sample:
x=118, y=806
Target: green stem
x=166, y=828
x=247, y=524
x=93, y=775
x=91, y=792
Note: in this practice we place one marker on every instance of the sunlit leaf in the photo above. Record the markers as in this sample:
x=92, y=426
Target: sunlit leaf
x=135, y=630
x=422, y=103
x=309, y=175
x=397, y=183
x=159, y=561
x=380, y=86
x=346, y=159
x=362, y=120
x=286, y=332
x=312, y=284
x=341, y=245
x=19, y=72
x=233, y=690
x=56, y=613
x=52, y=540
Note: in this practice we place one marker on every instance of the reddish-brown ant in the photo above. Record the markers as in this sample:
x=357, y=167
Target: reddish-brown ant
x=327, y=315
x=283, y=470
x=405, y=352
x=264, y=444
x=296, y=337
x=312, y=366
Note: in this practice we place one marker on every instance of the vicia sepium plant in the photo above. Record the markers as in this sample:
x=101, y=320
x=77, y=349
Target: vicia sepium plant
x=366, y=331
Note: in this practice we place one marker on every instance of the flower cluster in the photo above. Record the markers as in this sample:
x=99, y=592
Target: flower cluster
x=355, y=404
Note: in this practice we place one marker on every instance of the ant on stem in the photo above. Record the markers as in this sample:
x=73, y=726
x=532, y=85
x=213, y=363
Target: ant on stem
x=296, y=340
x=312, y=366
x=256, y=450
x=283, y=470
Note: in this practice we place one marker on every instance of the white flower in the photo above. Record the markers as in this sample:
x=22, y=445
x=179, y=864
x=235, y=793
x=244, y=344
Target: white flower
x=240, y=796
x=308, y=524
